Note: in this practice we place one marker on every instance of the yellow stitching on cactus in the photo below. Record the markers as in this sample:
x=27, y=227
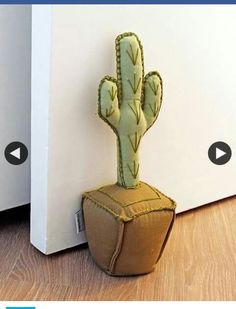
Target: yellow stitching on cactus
x=112, y=93
x=133, y=57
x=155, y=109
x=135, y=170
x=109, y=111
x=121, y=170
x=154, y=87
x=135, y=85
x=137, y=140
x=136, y=110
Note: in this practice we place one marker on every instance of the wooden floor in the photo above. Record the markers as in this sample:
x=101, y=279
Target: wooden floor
x=199, y=263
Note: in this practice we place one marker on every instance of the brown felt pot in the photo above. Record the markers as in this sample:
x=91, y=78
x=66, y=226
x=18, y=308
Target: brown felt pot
x=127, y=229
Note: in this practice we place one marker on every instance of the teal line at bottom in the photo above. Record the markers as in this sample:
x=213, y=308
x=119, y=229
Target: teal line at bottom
x=20, y=307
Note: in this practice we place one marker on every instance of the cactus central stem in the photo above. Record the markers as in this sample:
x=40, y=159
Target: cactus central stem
x=128, y=162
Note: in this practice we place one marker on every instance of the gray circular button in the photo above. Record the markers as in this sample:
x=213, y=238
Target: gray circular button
x=219, y=153
x=16, y=153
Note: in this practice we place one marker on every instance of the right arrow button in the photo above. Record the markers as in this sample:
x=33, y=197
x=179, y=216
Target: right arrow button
x=219, y=153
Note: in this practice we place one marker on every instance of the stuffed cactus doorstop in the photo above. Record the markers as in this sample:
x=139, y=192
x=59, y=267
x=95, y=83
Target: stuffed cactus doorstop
x=128, y=223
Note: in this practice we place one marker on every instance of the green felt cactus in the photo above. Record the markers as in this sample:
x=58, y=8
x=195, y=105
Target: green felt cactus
x=127, y=230
x=130, y=104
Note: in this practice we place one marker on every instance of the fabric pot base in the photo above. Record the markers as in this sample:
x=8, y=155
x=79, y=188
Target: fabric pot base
x=127, y=229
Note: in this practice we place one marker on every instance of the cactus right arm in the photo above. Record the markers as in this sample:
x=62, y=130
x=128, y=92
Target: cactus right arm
x=152, y=97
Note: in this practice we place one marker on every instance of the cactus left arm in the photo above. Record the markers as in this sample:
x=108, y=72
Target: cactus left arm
x=152, y=97
x=108, y=108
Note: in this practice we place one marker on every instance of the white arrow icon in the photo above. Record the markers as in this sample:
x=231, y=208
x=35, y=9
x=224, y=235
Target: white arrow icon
x=219, y=153
x=16, y=153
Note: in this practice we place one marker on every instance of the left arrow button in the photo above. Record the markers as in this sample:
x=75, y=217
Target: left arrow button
x=16, y=153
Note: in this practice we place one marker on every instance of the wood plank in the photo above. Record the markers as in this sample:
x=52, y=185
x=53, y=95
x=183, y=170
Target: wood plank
x=14, y=235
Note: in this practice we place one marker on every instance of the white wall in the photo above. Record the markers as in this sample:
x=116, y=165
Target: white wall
x=15, y=57
x=193, y=47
